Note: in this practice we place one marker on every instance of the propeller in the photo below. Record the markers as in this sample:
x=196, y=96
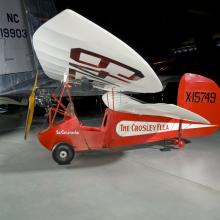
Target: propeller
x=31, y=106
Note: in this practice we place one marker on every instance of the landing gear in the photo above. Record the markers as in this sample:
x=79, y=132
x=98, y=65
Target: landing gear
x=171, y=144
x=63, y=153
x=179, y=143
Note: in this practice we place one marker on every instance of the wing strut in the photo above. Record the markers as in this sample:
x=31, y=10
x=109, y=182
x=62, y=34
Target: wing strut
x=113, y=104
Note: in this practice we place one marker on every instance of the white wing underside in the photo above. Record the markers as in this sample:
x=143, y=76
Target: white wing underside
x=123, y=103
x=96, y=54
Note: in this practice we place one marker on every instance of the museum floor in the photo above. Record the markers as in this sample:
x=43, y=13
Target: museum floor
x=142, y=183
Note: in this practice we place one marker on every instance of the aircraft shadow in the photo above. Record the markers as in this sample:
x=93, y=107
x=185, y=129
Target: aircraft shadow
x=158, y=145
x=96, y=158
x=35, y=159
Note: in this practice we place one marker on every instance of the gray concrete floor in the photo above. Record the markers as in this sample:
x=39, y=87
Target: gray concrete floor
x=143, y=183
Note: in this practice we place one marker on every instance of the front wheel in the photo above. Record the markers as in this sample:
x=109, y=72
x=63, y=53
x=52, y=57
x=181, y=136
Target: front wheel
x=63, y=153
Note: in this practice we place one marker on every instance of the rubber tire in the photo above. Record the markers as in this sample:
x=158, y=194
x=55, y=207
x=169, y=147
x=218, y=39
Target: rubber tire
x=66, y=148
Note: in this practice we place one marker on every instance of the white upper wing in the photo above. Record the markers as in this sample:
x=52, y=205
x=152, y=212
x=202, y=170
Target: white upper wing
x=70, y=43
x=124, y=103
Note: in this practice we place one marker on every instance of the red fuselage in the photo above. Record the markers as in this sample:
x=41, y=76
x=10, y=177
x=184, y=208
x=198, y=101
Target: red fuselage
x=119, y=129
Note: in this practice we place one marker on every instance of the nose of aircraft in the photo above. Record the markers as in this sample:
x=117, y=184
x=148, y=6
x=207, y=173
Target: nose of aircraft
x=45, y=137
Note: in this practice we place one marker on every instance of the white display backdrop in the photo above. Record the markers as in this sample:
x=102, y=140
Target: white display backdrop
x=15, y=51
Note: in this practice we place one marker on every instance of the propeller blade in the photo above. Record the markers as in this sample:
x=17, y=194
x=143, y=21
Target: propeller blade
x=31, y=106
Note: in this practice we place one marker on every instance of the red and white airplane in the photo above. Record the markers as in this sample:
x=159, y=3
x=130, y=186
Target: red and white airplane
x=70, y=47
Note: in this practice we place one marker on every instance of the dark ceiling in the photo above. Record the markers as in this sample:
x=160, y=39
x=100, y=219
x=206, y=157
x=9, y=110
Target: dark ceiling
x=173, y=38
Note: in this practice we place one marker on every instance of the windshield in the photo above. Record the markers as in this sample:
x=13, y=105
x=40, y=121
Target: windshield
x=70, y=110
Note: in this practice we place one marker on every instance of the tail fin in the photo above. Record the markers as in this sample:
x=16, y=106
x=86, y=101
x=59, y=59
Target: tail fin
x=200, y=95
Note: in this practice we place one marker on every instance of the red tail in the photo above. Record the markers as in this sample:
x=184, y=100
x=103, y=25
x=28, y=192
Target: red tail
x=200, y=95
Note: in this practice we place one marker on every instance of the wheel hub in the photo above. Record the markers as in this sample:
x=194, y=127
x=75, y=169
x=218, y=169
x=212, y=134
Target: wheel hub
x=63, y=154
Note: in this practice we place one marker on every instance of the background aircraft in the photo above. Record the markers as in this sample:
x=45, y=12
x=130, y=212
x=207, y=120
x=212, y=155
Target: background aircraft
x=18, y=65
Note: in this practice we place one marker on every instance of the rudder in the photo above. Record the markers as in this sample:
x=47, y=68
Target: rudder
x=200, y=95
